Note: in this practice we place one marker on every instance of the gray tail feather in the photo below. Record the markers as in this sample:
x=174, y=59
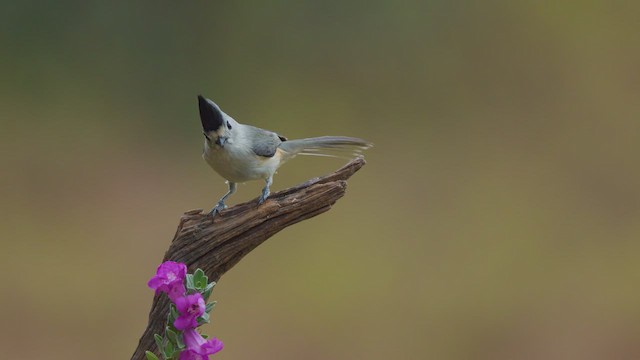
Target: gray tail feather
x=334, y=146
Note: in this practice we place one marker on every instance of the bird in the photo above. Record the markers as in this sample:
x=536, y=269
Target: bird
x=241, y=153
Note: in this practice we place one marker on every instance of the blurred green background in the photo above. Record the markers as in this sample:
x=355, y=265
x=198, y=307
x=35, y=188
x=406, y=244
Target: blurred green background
x=497, y=218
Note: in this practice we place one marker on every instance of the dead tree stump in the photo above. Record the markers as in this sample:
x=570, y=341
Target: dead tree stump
x=216, y=244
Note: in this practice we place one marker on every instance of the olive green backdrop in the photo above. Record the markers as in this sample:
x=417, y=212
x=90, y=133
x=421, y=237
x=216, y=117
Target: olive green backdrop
x=498, y=216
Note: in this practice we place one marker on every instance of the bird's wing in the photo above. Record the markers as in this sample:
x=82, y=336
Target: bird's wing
x=265, y=143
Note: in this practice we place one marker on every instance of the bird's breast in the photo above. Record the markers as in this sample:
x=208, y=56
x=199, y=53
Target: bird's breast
x=239, y=165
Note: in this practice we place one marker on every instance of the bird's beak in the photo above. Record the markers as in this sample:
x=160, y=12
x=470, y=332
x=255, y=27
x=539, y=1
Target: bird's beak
x=221, y=140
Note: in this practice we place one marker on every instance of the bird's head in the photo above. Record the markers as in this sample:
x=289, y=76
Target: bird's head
x=216, y=125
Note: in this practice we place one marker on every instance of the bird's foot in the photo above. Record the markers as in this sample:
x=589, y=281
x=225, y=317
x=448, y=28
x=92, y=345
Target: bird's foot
x=216, y=209
x=264, y=196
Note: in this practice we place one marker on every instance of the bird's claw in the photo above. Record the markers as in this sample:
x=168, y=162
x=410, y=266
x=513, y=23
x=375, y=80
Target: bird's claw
x=262, y=198
x=216, y=209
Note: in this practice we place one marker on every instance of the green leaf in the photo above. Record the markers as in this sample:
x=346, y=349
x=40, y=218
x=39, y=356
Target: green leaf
x=190, y=283
x=204, y=319
x=171, y=335
x=159, y=341
x=208, y=290
x=173, y=314
x=198, y=274
x=150, y=355
x=200, y=279
x=210, y=306
x=169, y=350
x=179, y=341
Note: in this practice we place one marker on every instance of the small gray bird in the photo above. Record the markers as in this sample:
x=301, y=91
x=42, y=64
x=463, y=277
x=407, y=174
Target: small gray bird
x=241, y=153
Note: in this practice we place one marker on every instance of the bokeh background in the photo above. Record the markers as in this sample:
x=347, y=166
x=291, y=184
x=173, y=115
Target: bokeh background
x=497, y=218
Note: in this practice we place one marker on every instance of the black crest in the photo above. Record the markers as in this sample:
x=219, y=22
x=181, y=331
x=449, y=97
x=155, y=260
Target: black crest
x=210, y=115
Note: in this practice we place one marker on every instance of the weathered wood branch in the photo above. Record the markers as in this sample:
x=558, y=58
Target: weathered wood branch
x=216, y=244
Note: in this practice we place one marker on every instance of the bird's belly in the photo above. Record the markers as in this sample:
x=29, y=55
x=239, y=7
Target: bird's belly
x=240, y=167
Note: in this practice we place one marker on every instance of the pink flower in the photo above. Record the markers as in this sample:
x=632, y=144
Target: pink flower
x=189, y=307
x=169, y=279
x=192, y=355
x=198, y=348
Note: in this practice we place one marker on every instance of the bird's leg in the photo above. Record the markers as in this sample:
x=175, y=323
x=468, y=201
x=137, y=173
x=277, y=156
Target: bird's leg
x=221, y=206
x=265, y=190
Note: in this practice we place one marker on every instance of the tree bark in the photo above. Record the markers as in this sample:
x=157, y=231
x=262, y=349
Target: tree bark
x=216, y=244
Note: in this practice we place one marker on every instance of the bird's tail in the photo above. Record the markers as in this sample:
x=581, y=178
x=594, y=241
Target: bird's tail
x=333, y=146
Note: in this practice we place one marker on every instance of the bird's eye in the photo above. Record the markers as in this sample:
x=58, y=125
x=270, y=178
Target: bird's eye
x=229, y=126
